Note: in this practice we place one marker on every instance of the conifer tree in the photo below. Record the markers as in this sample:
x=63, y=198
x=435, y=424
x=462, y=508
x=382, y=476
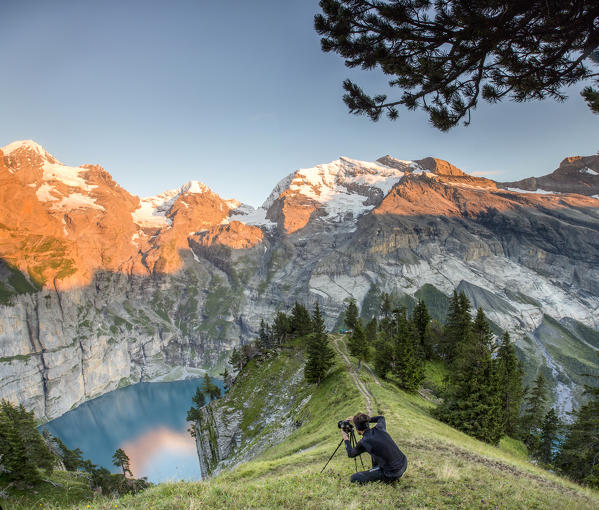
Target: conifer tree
x=120, y=459
x=226, y=379
x=408, y=366
x=383, y=355
x=473, y=399
x=264, y=336
x=457, y=326
x=23, y=447
x=421, y=319
x=370, y=332
x=18, y=467
x=193, y=413
x=579, y=456
x=548, y=437
x=532, y=418
x=510, y=374
x=210, y=389
x=235, y=360
x=301, y=324
x=386, y=306
x=281, y=327
x=445, y=56
x=386, y=322
x=320, y=355
x=358, y=346
x=351, y=314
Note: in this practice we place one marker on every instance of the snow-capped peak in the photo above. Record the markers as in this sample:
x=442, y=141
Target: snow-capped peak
x=194, y=187
x=341, y=186
x=25, y=144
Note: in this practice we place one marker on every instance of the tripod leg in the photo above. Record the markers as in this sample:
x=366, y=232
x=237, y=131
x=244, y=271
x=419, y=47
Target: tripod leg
x=353, y=443
x=340, y=443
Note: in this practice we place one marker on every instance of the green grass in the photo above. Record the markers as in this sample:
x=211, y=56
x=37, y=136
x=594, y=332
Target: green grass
x=71, y=489
x=435, y=376
x=447, y=469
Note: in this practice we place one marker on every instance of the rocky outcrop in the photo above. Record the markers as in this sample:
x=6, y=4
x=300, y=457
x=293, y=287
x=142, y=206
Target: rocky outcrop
x=265, y=405
x=99, y=288
x=579, y=174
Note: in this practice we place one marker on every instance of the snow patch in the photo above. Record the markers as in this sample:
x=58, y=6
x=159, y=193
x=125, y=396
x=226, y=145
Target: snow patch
x=247, y=214
x=77, y=201
x=152, y=211
x=538, y=191
x=587, y=170
x=44, y=193
x=68, y=175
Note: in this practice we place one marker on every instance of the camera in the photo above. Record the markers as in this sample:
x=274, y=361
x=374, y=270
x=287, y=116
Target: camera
x=346, y=426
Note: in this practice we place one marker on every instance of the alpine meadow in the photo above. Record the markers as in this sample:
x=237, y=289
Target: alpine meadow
x=414, y=324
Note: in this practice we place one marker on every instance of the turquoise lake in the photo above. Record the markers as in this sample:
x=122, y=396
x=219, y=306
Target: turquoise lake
x=147, y=420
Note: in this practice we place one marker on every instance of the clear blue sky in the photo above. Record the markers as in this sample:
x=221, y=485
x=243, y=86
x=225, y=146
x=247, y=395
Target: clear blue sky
x=233, y=93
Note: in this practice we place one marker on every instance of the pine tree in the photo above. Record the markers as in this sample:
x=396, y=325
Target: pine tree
x=444, y=57
x=193, y=413
x=351, y=314
x=457, y=326
x=357, y=342
x=210, y=389
x=473, y=399
x=408, y=366
x=548, y=438
x=19, y=468
x=510, y=374
x=320, y=355
x=532, y=418
x=120, y=459
x=235, y=360
x=386, y=306
x=301, y=324
x=370, y=333
x=421, y=319
x=227, y=382
x=383, y=355
x=264, y=336
x=579, y=456
x=281, y=327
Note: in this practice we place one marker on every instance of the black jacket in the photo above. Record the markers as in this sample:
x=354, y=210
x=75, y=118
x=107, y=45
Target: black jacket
x=383, y=450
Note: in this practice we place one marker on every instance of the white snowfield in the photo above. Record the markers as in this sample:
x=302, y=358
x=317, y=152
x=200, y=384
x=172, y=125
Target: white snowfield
x=538, y=191
x=342, y=186
x=55, y=173
x=152, y=210
x=587, y=170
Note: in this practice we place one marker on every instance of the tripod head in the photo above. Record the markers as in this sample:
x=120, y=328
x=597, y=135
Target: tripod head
x=348, y=428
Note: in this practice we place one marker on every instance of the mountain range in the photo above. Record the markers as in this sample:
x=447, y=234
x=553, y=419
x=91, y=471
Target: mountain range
x=100, y=288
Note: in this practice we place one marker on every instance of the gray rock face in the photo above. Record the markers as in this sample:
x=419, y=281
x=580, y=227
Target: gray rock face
x=264, y=406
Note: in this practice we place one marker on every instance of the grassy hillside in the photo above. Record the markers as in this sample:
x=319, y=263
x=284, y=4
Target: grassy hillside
x=447, y=469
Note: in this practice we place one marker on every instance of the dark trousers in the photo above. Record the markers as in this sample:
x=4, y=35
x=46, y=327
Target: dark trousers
x=376, y=475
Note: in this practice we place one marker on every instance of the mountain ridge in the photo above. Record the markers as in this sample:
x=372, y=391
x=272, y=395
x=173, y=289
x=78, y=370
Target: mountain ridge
x=93, y=300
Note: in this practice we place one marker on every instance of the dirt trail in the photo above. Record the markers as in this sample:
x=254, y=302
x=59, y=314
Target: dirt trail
x=354, y=374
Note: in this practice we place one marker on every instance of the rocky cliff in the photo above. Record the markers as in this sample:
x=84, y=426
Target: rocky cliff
x=99, y=288
x=266, y=404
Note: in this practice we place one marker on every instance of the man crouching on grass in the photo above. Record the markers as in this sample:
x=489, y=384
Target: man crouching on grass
x=388, y=461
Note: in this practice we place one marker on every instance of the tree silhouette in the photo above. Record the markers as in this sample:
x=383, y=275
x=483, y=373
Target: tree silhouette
x=120, y=459
x=445, y=55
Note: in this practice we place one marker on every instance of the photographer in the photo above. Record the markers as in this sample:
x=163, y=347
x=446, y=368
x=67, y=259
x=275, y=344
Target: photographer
x=388, y=461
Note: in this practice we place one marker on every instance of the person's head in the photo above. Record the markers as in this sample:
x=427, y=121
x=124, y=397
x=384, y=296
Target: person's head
x=361, y=422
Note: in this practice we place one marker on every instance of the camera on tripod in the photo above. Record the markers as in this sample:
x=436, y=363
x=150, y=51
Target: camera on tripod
x=345, y=425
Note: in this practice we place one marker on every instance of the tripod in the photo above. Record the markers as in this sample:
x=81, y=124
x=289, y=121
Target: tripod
x=352, y=442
